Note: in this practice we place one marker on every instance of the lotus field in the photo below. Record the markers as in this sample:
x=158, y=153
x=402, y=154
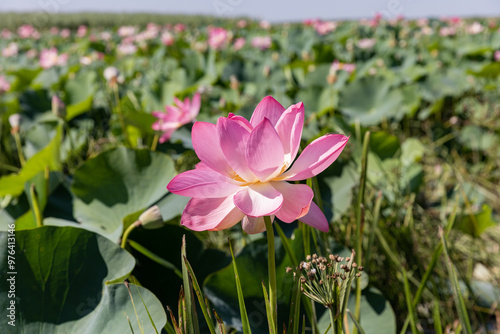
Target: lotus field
x=315, y=177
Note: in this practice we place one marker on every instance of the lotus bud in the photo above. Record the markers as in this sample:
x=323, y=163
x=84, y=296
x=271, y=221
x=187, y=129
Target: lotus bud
x=58, y=107
x=14, y=121
x=151, y=218
x=111, y=74
x=234, y=82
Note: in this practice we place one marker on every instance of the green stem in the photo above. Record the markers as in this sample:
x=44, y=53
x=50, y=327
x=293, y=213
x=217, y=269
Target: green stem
x=19, y=147
x=120, y=115
x=359, y=219
x=127, y=232
x=332, y=320
x=35, y=206
x=155, y=142
x=271, y=269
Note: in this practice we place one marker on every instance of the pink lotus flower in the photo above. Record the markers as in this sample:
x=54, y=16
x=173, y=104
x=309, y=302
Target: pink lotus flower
x=261, y=42
x=6, y=34
x=10, y=50
x=50, y=58
x=65, y=33
x=126, y=48
x=245, y=167
x=167, y=38
x=217, y=38
x=175, y=116
x=26, y=31
x=366, y=43
x=497, y=55
x=82, y=31
x=239, y=43
x=348, y=67
x=325, y=27
x=4, y=84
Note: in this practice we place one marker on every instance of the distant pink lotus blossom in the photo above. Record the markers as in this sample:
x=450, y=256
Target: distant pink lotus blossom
x=126, y=31
x=239, y=43
x=167, y=38
x=311, y=22
x=265, y=25
x=474, y=29
x=82, y=31
x=50, y=58
x=336, y=66
x=261, y=42
x=54, y=31
x=182, y=112
x=422, y=22
x=447, y=31
x=217, y=37
x=245, y=168
x=497, y=55
x=126, y=48
x=179, y=27
x=31, y=53
x=65, y=33
x=105, y=36
x=6, y=34
x=366, y=43
x=11, y=50
x=26, y=31
x=325, y=27
x=242, y=24
x=4, y=84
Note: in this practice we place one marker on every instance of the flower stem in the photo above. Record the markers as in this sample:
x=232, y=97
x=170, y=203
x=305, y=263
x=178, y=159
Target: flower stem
x=127, y=232
x=272, y=269
x=17, y=138
x=155, y=142
x=359, y=219
x=36, y=206
x=332, y=320
x=120, y=116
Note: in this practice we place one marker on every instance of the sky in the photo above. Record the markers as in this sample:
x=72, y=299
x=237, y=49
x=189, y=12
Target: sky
x=274, y=11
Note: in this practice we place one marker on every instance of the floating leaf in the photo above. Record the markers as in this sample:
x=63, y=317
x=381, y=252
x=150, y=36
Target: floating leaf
x=117, y=183
x=61, y=284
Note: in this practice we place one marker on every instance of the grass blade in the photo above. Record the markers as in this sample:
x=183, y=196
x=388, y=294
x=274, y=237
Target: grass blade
x=147, y=310
x=241, y=300
x=220, y=323
x=199, y=294
x=174, y=322
x=409, y=304
x=457, y=293
x=270, y=319
x=130, y=325
x=438, y=328
x=360, y=217
x=288, y=249
x=191, y=319
x=133, y=304
x=293, y=324
x=434, y=260
x=356, y=323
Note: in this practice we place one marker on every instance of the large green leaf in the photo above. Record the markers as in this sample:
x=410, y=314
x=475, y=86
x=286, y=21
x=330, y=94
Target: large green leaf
x=477, y=223
x=13, y=184
x=370, y=100
x=117, y=183
x=63, y=284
